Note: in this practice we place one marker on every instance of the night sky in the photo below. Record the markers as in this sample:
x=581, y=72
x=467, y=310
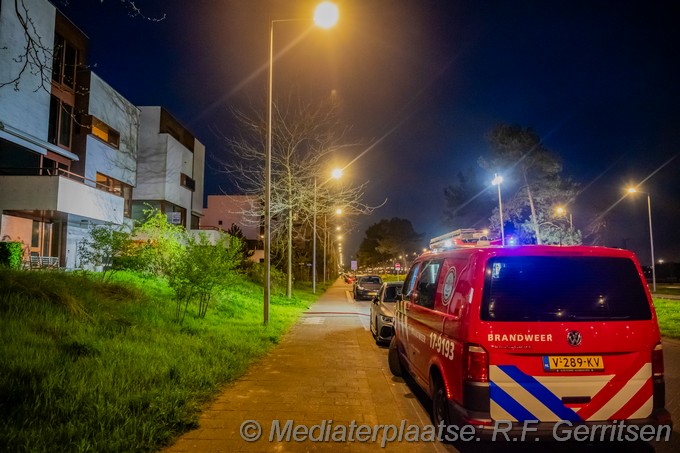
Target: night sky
x=422, y=83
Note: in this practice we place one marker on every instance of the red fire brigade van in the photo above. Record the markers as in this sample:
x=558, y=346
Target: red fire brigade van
x=532, y=333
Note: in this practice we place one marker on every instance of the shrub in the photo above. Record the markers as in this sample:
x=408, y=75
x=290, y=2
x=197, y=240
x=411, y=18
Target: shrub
x=278, y=278
x=10, y=254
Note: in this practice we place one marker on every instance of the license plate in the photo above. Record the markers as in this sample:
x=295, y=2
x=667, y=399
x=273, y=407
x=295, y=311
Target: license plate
x=573, y=363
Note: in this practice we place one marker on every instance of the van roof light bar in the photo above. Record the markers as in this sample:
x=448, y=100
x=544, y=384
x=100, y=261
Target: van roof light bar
x=463, y=237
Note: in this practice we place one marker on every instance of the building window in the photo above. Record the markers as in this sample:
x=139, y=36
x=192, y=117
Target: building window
x=186, y=181
x=119, y=188
x=61, y=123
x=64, y=63
x=104, y=132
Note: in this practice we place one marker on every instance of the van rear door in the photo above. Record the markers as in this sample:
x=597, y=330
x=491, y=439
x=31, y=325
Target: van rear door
x=568, y=338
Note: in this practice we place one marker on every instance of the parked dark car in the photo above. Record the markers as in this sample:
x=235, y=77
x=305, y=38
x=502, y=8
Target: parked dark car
x=382, y=311
x=367, y=287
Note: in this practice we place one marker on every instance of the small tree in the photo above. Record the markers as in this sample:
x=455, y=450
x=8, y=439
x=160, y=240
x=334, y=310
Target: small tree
x=102, y=246
x=216, y=264
x=159, y=244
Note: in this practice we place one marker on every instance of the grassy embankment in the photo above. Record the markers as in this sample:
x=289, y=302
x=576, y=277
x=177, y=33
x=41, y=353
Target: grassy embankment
x=668, y=312
x=87, y=366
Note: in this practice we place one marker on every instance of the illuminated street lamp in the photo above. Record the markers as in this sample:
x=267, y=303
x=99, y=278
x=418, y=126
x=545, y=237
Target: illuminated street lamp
x=335, y=174
x=651, y=238
x=497, y=180
x=561, y=211
x=325, y=16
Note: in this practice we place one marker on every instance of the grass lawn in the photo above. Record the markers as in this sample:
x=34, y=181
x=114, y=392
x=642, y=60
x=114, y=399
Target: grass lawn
x=88, y=366
x=668, y=312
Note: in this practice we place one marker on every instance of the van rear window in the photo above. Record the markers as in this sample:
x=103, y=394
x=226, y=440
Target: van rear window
x=548, y=288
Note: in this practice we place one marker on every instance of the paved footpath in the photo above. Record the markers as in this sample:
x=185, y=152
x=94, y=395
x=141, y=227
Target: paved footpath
x=327, y=367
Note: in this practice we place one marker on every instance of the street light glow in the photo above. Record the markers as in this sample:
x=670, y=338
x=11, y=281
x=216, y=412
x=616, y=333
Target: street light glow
x=338, y=211
x=336, y=173
x=497, y=180
x=560, y=210
x=632, y=190
x=326, y=15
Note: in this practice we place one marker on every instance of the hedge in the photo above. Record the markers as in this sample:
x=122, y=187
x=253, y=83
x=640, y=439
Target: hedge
x=10, y=254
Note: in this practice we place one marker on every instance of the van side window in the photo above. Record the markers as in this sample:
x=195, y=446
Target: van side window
x=427, y=284
x=410, y=281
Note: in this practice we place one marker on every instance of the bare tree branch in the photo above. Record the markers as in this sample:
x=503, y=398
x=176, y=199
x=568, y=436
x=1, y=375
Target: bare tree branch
x=304, y=137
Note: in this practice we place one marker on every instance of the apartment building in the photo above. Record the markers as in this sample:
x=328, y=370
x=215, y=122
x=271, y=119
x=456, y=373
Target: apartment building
x=73, y=151
x=172, y=161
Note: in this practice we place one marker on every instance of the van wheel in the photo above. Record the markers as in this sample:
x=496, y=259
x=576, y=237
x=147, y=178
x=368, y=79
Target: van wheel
x=440, y=403
x=393, y=358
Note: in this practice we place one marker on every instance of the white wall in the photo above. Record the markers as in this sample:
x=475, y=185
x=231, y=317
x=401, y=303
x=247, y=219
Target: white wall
x=180, y=160
x=54, y=193
x=160, y=162
x=109, y=106
x=26, y=109
x=151, y=159
x=76, y=232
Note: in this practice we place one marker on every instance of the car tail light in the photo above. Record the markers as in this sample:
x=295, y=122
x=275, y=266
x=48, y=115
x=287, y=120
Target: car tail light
x=657, y=361
x=476, y=363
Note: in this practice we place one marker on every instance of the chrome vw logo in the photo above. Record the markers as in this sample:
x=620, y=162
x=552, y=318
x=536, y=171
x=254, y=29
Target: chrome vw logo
x=574, y=338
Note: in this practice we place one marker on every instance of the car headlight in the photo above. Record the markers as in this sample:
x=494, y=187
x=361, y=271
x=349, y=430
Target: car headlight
x=386, y=319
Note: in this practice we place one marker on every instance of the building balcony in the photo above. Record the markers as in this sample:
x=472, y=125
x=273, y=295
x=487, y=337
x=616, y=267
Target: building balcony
x=59, y=191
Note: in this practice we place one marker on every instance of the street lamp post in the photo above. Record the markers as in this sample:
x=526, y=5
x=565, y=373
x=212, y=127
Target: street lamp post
x=325, y=16
x=561, y=211
x=497, y=180
x=335, y=174
x=651, y=238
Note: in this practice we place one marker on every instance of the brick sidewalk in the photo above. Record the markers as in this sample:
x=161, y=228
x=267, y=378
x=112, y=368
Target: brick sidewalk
x=326, y=367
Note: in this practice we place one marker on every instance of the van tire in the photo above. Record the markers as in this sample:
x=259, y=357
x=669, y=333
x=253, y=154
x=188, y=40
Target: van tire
x=440, y=403
x=393, y=358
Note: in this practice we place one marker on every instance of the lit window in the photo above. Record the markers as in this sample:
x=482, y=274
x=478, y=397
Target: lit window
x=119, y=188
x=102, y=131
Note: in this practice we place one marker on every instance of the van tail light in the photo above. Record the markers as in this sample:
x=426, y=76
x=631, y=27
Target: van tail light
x=657, y=361
x=476, y=363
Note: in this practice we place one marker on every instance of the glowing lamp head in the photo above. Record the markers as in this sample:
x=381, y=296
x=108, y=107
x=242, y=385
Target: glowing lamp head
x=632, y=190
x=336, y=173
x=560, y=210
x=326, y=15
x=498, y=179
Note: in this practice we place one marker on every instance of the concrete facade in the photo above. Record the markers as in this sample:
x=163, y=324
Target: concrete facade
x=167, y=154
x=73, y=151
